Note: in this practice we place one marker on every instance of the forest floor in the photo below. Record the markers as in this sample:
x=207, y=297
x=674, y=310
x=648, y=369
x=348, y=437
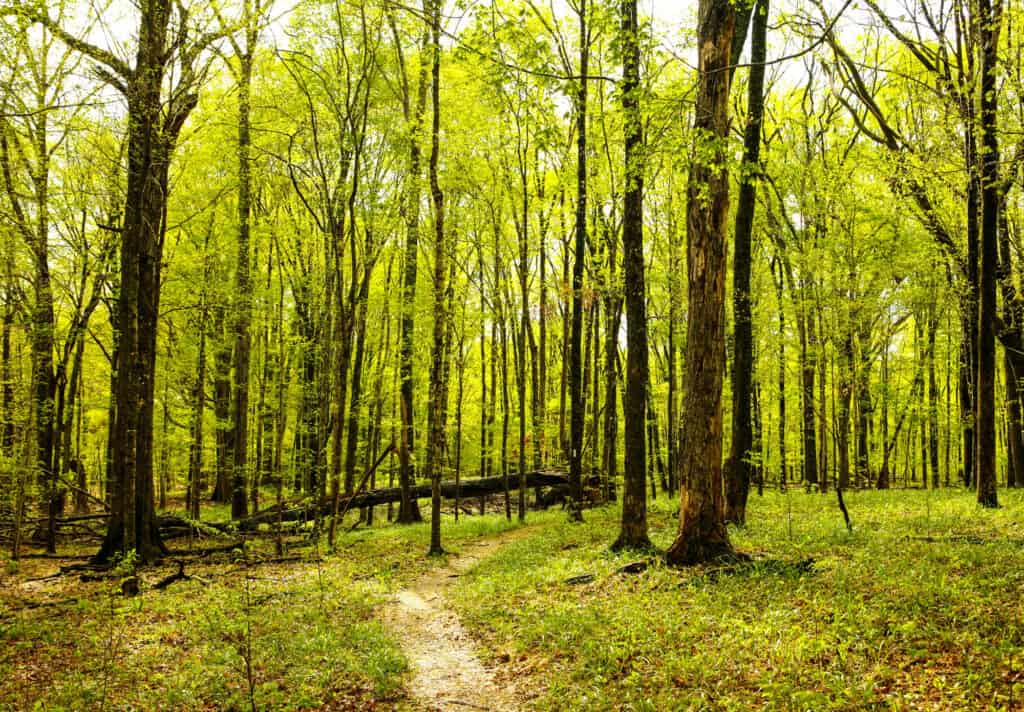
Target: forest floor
x=921, y=606
x=447, y=673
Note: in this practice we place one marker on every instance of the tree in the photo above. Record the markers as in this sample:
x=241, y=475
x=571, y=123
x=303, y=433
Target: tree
x=702, y=534
x=740, y=460
x=579, y=259
x=409, y=511
x=165, y=39
x=253, y=16
x=988, y=28
x=438, y=391
x=633, y=532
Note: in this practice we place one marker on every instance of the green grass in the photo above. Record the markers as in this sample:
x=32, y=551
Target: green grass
x=310, y=635
x=919, y=608
x=310, y=631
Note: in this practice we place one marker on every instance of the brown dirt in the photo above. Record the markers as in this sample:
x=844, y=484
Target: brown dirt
x=447, y=672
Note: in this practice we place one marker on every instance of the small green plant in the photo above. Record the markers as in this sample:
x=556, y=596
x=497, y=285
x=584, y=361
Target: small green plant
x=124, y=563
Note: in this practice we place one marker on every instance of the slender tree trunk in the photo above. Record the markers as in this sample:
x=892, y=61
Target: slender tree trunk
x=988, y=26
x=435, y=416
x=503, y=337
x=409, y=510
x=633, y=529
x=674, y=319
x=933, y=400
x=195, y=460
x=782, y=373
x=576, y=405
x=6, y=381
x=222, y=408
x=843, y=417
x=355, y=409
x=524, y=327
x=243, y=303
x=737, y=483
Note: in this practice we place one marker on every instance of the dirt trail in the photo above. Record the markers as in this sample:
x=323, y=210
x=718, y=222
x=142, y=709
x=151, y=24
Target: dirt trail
x=447, y=673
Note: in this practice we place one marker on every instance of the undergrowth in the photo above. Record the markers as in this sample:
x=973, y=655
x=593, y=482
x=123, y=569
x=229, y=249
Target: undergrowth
x=918, y=608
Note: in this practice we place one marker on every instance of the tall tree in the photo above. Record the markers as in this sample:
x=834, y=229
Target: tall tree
x=160, y=93
x=438, y=391
x=741, y=459
x=253, y=13
x=702, y=534
x=576, y=412
x=413, y=114
x=633, y=531
x=989, y=19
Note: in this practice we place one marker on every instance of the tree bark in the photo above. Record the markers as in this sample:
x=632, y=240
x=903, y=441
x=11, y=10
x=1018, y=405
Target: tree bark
x=988, y=27
x=633, y=529
x=737, y=483
x=435, y=416
x=576, y=412
x=702, y=534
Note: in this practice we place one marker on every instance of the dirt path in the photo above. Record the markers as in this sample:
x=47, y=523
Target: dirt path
x=447, y=673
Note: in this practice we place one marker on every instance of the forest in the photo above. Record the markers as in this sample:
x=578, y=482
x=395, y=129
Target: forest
x=511, y=354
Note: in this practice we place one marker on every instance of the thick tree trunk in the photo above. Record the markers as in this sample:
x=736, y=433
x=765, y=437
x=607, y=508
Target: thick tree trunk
x=152, y=133
x=702, y=533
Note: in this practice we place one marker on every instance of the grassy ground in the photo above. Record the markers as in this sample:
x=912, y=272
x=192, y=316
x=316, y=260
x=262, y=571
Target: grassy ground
x=307, y=630
x=919, y=608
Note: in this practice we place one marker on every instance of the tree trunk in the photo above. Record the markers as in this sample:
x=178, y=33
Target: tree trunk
x=988, y=27
x=737, y=483
x=435, y=416
x=409, y=510
x=153, y=130
x=702, y=533
x=576, y=412
x=779, y=282
x=243, y=302
x=633, y=530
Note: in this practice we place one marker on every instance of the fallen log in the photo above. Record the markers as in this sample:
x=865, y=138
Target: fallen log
x=172, y=527
x=466, y=488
